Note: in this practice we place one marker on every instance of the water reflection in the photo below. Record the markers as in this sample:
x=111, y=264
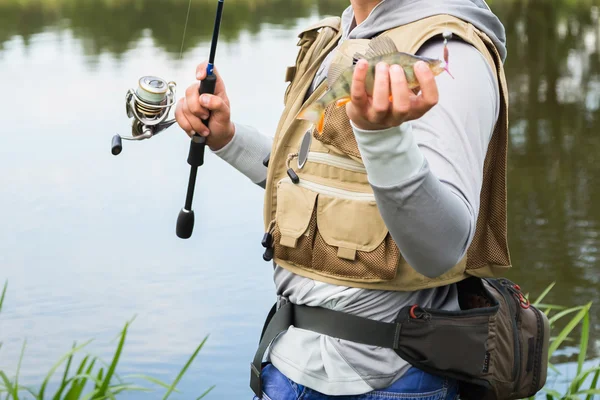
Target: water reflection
x=553, y=74
x=95, y=264
x=115, y=27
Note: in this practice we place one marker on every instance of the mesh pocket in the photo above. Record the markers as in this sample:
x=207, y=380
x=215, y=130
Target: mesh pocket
x=302, y=253
x=337, y=131
x=379, y=264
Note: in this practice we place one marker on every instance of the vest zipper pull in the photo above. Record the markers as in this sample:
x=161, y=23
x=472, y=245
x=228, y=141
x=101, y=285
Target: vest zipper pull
x=268, y=254
x=293, y=176
x=291, y=173
x=267, y=240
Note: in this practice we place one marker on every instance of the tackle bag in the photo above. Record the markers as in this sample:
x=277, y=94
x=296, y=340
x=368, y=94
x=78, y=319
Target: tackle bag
x=496, y=345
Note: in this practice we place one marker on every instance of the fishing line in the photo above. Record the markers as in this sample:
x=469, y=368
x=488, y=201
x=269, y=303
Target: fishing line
x=185, y=28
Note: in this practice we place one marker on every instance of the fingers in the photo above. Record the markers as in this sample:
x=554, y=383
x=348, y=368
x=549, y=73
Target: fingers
x=181, y=119
x=213, y=103
x=192, y=99
x=400, y=100
x=381, y=92
x=358, y=93
x=187, y=120
x=429, y=91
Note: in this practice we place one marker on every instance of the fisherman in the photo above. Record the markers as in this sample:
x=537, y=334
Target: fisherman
x=401, y=195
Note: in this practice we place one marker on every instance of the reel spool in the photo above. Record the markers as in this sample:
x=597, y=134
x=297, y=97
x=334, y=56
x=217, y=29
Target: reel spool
x=149, y=104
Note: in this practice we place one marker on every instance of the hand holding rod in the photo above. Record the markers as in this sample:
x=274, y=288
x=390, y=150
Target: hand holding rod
x=185, y=220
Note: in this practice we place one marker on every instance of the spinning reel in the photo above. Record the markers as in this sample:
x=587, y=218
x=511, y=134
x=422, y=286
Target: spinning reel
x=149, y=104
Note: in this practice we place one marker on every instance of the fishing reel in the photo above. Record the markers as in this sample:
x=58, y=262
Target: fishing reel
x=149, y=104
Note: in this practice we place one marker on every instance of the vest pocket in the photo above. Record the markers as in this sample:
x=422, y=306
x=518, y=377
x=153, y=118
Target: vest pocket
x=333, y=232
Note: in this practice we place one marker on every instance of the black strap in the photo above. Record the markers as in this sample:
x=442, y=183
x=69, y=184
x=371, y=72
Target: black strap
x=326, y=322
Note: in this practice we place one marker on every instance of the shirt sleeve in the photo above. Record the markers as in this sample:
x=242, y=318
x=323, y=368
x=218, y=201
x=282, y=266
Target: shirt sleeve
x=427, y=174
x=246, y=152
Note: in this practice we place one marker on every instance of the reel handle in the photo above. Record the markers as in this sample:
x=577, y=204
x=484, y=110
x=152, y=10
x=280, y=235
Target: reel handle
x=116, y=145
x=185, y=220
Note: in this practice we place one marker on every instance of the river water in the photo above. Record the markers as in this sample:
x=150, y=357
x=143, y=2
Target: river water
x=87, y=240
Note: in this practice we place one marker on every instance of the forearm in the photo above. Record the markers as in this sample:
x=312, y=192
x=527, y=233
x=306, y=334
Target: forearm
x=246, y=152
x=430, y=223
x=426, y=174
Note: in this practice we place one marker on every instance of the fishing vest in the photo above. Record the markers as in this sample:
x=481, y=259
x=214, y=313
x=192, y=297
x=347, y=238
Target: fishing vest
x=321, y=210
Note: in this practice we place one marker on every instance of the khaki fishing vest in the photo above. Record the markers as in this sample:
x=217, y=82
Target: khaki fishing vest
x=327, y=226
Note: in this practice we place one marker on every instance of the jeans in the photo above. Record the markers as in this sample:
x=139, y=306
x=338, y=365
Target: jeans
x=413, y=385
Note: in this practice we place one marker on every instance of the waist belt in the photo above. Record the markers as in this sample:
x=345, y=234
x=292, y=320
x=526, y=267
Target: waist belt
x=473, y=345
x=326, y=322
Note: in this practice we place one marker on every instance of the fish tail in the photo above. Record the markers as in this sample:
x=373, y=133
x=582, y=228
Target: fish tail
x=314, y=113
x=446, y=57
x=447, y=69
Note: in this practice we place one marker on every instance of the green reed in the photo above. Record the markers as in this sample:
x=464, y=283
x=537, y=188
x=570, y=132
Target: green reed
x=576, y=387
x=101, y=383
x=105, y=383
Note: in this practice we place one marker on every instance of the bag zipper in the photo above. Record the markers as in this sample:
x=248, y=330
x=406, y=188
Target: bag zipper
x=330, y=191
x=509, y=288
x=538, y=348
x=336, y=161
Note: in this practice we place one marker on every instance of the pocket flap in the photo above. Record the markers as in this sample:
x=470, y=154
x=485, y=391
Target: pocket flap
x=295, y=206
x=350, y=224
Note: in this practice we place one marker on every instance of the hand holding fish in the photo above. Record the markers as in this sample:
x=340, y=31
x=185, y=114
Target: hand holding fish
x=193, y=108
x=380, y=96
x=392, y=101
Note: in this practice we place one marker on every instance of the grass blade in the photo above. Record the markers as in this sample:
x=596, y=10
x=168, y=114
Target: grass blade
x=205, y=393
x=580, y=378
x=544, y=293
x=19, y=363
x=593, y=384
x=55, y=367
x=184, y=369
x=12, y=390
x=553, y=393
x=3, y=294
x=113, y=365
x=563, y=313
x=553, y=368
x=567, y=330
x=585, y=331
x=153, y=380
x=79, y=384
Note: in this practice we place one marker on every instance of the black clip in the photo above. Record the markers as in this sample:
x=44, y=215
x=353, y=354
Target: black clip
x=268, y=254
x=293, y=176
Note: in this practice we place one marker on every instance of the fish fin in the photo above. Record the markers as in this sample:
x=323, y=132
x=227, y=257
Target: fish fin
x=343, y=101
x=381, y=46
x=312, y=113
x=358, y=56
x=321, y=124
x=335, y=71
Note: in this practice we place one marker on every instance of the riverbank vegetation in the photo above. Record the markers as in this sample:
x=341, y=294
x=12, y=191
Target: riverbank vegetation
x=94, y=379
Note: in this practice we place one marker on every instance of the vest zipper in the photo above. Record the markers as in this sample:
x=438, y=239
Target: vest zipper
x=334, y=192
x=336, y=161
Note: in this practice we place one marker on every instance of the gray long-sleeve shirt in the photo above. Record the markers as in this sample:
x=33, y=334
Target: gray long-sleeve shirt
x=426, y=176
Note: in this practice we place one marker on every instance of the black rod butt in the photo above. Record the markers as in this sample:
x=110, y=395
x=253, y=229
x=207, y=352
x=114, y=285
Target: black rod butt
x=185, y=224
x=116, y=146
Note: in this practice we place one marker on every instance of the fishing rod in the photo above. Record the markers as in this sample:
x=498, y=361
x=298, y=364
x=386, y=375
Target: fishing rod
x=185, y=220
x=150, y=104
